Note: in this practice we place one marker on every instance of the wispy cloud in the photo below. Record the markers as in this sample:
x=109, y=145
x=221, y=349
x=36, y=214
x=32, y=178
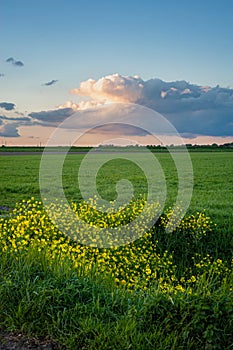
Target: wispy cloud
x=16, y=119
x=49, y=83
x=2, y=75
x=8, y=106
x=14, y=62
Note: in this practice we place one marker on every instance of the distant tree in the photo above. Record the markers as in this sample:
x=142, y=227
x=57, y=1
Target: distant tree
x=214, y=145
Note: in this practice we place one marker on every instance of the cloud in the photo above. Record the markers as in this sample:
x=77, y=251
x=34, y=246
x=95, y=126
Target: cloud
x=7, y=106
x=49, y=83
x=192, y=109
x=81, y=106
x=52, y=117
x=10, y=60
x=14, y=62
x=9, y=130
x=12, y=120
x=9, y=126
x=18, y=119
x=18, y=63
x=2, y=75
x=112, y=87
x=118, y=129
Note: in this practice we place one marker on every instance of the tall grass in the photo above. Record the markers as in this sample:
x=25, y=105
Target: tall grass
x=88, y=311
x=185, y=300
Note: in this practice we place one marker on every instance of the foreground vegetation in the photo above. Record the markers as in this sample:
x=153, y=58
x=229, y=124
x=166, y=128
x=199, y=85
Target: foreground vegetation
x=164, y=290
x=170, y=289
x=88, y=311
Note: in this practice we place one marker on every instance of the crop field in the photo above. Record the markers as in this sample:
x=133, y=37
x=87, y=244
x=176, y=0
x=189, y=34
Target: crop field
x=162, y=290
x=212, y=192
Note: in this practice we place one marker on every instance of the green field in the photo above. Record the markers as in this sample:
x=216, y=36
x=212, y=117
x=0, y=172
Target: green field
x=212, y=192
x=165, y=290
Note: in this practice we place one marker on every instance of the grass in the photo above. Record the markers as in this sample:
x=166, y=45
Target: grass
x=87, y=311
x=213, y=183
x=164, y=291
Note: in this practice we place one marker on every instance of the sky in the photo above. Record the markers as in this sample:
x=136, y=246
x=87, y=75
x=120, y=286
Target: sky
x=174, y=57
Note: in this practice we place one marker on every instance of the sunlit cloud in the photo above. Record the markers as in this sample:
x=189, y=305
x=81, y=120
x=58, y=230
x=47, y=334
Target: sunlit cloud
x=115, y=88
x=83, y=105
x=194, y=110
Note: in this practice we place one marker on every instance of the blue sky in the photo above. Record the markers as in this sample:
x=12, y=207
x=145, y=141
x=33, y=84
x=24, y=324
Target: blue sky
x=72, y=41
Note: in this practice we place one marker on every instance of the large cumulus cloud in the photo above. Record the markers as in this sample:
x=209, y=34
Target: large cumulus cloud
x=192, y=109
x=112, y=87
